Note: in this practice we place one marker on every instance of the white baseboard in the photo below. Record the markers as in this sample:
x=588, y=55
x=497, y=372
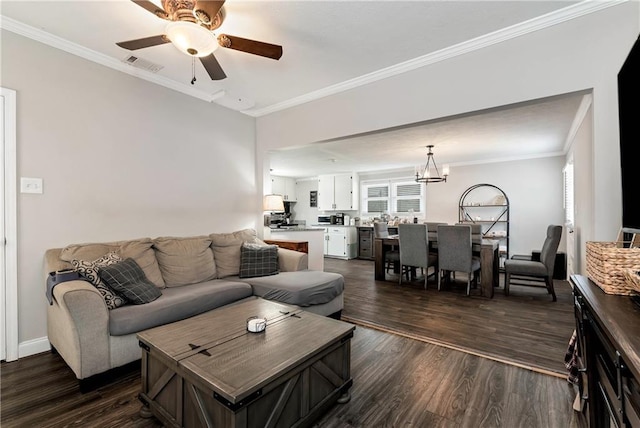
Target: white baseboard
x=32, y=347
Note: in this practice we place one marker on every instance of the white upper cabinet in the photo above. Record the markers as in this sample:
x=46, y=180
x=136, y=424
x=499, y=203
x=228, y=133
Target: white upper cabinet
x=284, y=186
x=338, y=192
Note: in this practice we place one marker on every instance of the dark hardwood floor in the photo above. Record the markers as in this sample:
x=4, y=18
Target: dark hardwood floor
x=398, y=381
x=526, y=329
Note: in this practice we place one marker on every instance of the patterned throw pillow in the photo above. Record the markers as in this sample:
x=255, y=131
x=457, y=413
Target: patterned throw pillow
x=128, y=280
x=89, y=270
x=258, y=260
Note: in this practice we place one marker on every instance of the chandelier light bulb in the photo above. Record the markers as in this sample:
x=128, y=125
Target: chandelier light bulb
x=423, y=173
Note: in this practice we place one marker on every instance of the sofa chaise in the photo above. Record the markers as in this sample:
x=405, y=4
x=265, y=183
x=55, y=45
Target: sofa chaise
x=95, y=333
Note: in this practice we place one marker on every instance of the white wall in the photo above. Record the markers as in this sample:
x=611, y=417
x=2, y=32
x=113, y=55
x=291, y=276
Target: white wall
x=121, y=158
x=579, y=54
x=301, y=209
x=581, y=150
x=534, y=188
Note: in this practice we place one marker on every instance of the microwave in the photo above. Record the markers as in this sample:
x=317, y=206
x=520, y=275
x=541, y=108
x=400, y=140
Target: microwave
x=324, y=219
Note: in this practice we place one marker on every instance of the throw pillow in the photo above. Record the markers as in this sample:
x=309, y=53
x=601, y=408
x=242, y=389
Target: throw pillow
x=138, y=249
x=89, y=270
x=258, y=260
x=226, y=250
x=128, y=280
x=186, y=260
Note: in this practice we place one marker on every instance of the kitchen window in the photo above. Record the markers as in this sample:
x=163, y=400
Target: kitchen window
x=398, y=197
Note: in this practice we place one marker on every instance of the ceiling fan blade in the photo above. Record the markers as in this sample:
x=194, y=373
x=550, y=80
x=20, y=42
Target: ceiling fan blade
x=157, y=11
x=146, y=42
x=210, y=8
x=250, y=46
x=213, y=67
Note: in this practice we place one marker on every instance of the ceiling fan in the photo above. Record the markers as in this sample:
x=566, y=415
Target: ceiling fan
x=190, y=29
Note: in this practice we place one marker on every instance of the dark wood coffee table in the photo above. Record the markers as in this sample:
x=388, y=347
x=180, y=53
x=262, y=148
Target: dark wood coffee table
x=209, y=371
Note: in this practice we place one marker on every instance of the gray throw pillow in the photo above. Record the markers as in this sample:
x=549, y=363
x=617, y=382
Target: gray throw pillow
x=128, y=280
x=258, y=260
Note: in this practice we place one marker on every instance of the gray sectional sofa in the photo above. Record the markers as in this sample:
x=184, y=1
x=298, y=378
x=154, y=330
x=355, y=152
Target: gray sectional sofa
x=195, y=275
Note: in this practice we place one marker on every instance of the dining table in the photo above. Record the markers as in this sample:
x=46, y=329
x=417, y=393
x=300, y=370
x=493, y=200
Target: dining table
x=487, y=248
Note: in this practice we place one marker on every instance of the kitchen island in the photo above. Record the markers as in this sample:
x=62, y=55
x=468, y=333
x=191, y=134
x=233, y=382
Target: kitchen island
x=313, y=235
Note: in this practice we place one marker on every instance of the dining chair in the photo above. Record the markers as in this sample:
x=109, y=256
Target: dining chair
x=432, y=231
x=532, y=271
x=455, y=253
x=476, y=231
x=413, y=241
x=392, y=256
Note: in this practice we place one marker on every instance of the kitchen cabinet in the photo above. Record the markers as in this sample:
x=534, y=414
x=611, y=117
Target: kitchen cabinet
x=285, y=186
x=365, y=243
x=338, y=192
x=340, y=242
x=366, y=247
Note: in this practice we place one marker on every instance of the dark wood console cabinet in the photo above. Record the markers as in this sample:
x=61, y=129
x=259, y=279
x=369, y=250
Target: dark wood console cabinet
x=608, y=332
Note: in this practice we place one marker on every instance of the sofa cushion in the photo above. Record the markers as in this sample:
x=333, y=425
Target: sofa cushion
x=139, y=250
x=176, y=303
x=129, y=281
x=185, y=261
x=89, y=270
x=226, y=247
x=258, y=260
x=302, y=288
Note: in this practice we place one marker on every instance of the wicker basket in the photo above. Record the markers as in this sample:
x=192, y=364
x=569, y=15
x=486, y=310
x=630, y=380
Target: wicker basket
x=633, y=279
x=606, y=266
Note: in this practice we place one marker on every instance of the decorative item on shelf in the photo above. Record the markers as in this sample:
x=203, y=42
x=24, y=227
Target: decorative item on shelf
x=425, y=174
x=607, y=264
x=500, y=200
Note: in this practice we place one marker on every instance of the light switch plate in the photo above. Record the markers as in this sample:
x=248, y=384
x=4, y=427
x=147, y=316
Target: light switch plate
x=30, y=185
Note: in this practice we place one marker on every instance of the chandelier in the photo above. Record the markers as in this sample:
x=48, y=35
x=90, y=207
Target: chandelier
x=429, y=173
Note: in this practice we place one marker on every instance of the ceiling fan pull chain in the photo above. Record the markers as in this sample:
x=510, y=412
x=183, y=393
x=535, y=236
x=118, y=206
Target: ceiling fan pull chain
x=193, y=69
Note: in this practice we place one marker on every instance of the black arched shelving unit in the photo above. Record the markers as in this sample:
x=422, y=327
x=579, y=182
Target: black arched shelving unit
x=487, y=205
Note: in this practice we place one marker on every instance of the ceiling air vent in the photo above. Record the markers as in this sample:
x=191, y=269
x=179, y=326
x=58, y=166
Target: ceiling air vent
x=142, y=64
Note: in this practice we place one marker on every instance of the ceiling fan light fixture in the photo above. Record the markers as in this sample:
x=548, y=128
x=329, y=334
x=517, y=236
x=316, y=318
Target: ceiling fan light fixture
x=191, y=39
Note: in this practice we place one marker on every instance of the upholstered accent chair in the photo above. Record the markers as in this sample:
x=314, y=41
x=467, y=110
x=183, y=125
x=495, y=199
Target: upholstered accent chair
x=455, y=253
x=534, y=272
x=414, y=250
x=392, y=256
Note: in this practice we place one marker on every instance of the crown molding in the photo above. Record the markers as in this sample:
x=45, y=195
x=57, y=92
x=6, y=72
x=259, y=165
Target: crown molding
x=102, y=59
x=571, y=12
x=553, y=18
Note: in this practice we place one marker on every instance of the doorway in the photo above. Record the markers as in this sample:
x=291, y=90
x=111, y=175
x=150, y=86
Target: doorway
x=569, y=216
x=8, y=226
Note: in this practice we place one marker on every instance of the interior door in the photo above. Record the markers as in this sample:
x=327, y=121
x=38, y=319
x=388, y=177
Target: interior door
x=569, y=217
x=8, y=225
x=3, y=311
